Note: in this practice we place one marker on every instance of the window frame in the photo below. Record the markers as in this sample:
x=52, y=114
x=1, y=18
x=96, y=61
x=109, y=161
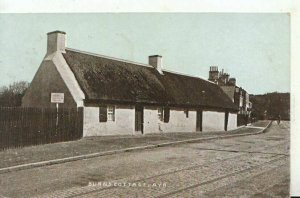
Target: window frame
x=163, y=114
x=111, y=113
x=160, y=113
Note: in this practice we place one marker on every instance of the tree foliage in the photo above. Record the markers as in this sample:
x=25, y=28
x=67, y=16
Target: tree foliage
x=11, y=95
x=271, y=105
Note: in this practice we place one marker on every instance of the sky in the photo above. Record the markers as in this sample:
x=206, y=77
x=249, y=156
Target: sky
x=253, y=48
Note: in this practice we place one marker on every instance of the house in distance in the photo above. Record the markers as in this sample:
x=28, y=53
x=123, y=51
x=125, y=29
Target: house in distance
x=125, y=97
x=237, y=94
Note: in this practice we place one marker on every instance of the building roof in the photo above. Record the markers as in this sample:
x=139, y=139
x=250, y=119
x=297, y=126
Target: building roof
x=114, y=80
x=229, y=90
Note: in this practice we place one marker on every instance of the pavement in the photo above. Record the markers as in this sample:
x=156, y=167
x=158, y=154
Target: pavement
x=240, y=166
x=49, y=154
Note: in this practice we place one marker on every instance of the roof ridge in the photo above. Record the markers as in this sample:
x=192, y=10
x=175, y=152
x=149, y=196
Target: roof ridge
x=188, y=75
x=109, y=57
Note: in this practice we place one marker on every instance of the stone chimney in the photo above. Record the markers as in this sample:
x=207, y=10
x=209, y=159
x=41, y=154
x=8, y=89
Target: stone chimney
x=56, y=42
x=226, y=77
x=213, y=73
x=232, y=81
x=156, y=62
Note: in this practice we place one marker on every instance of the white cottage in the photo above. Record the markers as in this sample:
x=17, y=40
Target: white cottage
x=124, y=97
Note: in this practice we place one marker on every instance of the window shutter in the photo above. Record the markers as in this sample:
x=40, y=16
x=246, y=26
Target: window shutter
x=186, y=113
x=103, y=113
x=166, y=114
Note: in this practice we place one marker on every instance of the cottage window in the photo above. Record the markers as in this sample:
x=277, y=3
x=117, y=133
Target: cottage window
x=160, y=114
x=106, y=113
x=111, y=113
x=164, y=114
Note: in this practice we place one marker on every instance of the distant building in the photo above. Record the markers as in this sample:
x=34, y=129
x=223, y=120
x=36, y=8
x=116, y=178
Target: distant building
x=125, y=97
x=237, y=94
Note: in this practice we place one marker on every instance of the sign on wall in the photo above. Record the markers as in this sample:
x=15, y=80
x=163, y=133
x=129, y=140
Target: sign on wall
x=57, y=97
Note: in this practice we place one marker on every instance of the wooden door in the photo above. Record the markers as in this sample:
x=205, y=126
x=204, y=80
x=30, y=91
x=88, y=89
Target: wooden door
x=139, y=119
x=199, y=120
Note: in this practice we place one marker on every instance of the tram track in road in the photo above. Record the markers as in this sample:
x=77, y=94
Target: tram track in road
x=240, y=184
x=249, y=155
x=237, y=151
x=172, y=190
x=219, y=178
x=171, y=168
x=177, y=170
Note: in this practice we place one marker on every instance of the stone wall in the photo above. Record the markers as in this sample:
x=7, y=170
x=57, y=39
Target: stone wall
x=46, y=81
x=53, y=76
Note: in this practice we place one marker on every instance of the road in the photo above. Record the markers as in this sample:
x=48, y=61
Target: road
x=248, y=166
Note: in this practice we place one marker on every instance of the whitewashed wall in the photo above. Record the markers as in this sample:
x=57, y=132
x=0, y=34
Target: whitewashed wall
x=123, y=124
x=213, y=121
x=178, y=121
x=232, y=121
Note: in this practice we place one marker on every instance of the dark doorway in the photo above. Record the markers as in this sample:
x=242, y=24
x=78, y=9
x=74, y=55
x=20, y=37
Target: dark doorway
x=226, y=120
x=139, y=118
x=199, y=120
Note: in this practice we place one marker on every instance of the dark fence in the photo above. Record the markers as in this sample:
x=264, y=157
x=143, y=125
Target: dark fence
x=243, y=120
x=21, y=127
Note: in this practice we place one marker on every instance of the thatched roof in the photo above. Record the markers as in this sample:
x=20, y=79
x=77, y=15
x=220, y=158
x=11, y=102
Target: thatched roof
x=113, y=80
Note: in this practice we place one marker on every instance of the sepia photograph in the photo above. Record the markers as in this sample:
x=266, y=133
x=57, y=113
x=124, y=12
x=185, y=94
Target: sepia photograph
x=140, y=104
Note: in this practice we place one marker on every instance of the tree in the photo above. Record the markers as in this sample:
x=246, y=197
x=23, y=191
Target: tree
x=271, y=104
x=12, y=94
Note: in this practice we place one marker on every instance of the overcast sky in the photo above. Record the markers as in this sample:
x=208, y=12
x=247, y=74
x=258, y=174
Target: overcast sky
x=253, y=48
